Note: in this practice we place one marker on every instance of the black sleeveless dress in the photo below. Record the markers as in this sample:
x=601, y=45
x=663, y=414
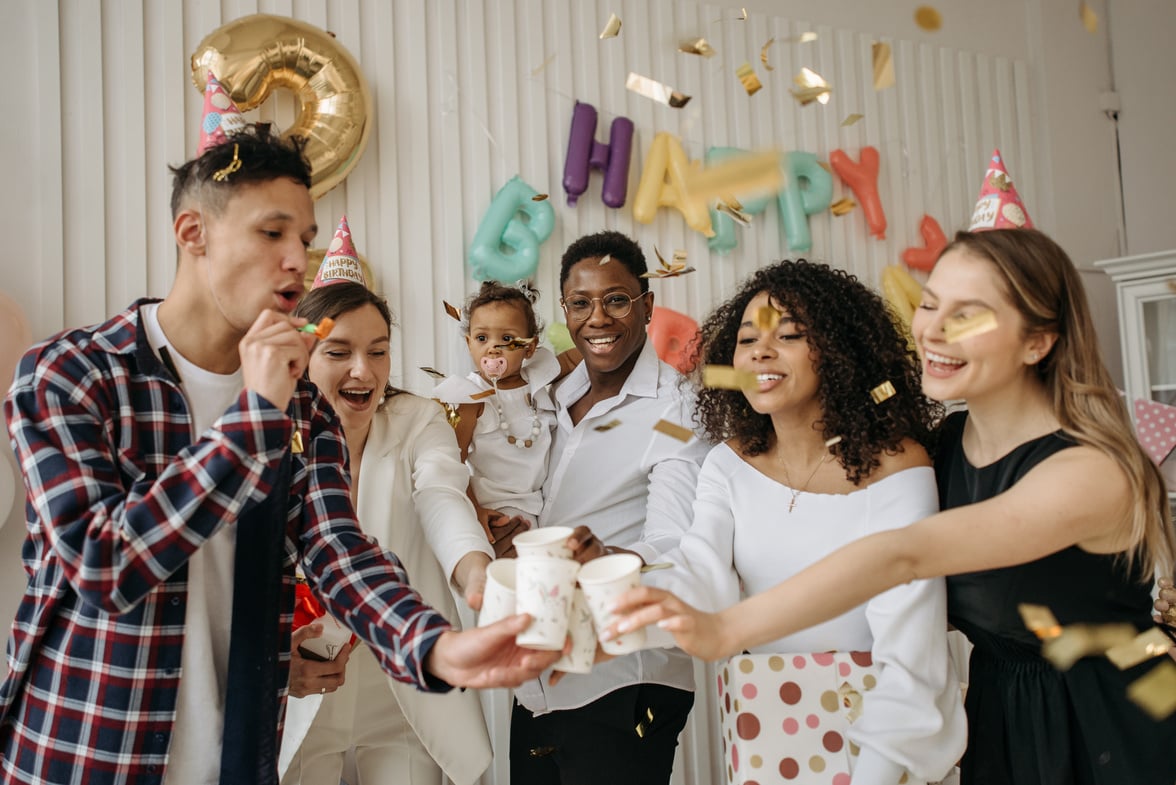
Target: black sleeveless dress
x=1028, y=723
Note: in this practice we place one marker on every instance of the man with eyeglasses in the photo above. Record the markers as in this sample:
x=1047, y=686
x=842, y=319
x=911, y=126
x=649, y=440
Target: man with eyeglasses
x=622, y=486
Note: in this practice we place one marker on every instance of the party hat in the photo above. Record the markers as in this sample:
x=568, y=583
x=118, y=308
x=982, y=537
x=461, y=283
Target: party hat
x=221, y=119
x=999, y=205
x=341, y=262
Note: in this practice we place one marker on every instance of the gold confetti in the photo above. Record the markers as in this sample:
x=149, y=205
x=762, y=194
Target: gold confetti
x=608, y=426
x=1155, y=693
x=928, y=18
x=1089, y=18
x=432, y=372
x=724, y=377
x=480, y=395
x=451, y=415
x=842, y=206
x=1143, y=646
x=746, y=174
x=517, y=343
x=539, y=68
x=612, y=28
x=452, y=310
x=883, y=391
x=539, y=198
x=747, y=77
x=669, y=269
x=1083, y=640
x=656, y=91
x=957, y=329
x=764, y=54
x=296, y=443
x=813, y=87
x=731, y=206
x=699, y=46
x=833, y=441
x=1039, y=620
x=852, y=119
x=605, y=259
x=766, y=318
x=661, y=565
x=803, y=38
x=674, y=430
x=883, y=66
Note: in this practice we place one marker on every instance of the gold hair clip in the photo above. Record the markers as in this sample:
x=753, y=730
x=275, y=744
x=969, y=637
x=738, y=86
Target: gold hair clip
x=221, y=175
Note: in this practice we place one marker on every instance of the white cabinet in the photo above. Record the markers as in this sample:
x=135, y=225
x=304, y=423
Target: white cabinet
x=1146, y=290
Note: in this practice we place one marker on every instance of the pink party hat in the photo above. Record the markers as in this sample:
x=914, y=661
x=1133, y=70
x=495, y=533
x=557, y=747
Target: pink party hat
x=1155, y=425
x=341, y=262
x=221, y=119
x=999, y=206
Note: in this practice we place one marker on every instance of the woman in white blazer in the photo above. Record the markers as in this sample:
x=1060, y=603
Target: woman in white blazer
x=409, y=487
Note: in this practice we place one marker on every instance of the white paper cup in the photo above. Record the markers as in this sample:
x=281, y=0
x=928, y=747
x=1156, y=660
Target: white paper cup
x=544, y=589
x=327, y=645
x=545, y=542
x=603, y=580
x=498, y=601
x=583, y=653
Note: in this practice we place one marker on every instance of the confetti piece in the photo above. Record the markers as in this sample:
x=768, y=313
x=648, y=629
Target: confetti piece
x=656, y=91
x=669, y=269
x=674, y=430
x=296, y=443
x=605, y=259
x=732, y=208
x=1089, y=18
x=480, y=395
x=766, y=318
x=612, y=28
x=451, y=415
x=699, y=46
x=957, y=329
x=812, y=87
x=1155, y=693
x=517, y=343
x=1083, y=640
x=1143, y=646
x=452, y=311
x=1039, y=620
x=320, y=330
x=852, y=119
x=539, y=68
x=883, y=66
x=803, y=38
x=743, y=15
x=661, y=565
x=751, y=82
x=432, y=372
x=539, y=198
x=883, y=391
x=746, y=174
x=842, y=206
x=764, y=54
x=608, y=426
x=724, y=377
x=928, y=18
x=833, y=441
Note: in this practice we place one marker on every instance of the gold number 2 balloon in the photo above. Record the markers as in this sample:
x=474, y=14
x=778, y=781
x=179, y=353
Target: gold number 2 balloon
x=257, y=54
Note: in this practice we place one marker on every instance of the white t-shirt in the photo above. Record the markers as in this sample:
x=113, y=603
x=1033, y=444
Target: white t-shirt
x=195, y=751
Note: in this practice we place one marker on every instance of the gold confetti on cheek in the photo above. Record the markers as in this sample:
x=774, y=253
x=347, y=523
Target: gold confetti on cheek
x=928, y=18
x=608, y=426
x=842, y=206
x=883, y=392
x=883, y=66
x=672, y=429
x=852, y=119
x=724, y=377
x=1089, y=18
x=747, y=77
x=1155, y=693
x=764, y=54
x=612, y=27
x=766, y=318
x=699, y=46
x=960, y=328
x=452, y=310
x=655, y=91
x=539, y=198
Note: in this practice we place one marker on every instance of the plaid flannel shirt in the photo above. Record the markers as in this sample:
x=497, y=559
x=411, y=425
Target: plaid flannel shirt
x=119, y=497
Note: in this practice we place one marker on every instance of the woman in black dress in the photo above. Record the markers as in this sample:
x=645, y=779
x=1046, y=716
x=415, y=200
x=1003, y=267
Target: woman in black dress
x=1048, y=500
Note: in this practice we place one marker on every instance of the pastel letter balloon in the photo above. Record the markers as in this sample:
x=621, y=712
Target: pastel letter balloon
x=255, y=55
x=662, y=185
x=725, y=238
x=808, y=189
x=863, y=179
x=934, y=241
x=505, y=247
x=585, y=154
x=672, y=334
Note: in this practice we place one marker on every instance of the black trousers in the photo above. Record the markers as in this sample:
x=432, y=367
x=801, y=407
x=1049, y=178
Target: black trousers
x=624, y=738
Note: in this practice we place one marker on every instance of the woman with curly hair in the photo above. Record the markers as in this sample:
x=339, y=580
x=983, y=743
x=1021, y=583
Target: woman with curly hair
x=810, y=458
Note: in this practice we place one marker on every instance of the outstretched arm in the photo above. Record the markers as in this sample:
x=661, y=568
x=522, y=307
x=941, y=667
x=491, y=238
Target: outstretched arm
x=486, y=657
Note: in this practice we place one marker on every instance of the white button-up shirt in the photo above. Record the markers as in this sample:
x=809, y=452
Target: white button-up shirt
x=634, y=487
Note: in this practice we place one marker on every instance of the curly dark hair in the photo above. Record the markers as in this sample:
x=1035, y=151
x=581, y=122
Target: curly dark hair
x=495, y=292
x=856, y=347
x=264, y=156
x=620, y=247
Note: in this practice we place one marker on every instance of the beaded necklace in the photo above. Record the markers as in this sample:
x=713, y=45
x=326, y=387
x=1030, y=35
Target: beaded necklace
x=504, y=426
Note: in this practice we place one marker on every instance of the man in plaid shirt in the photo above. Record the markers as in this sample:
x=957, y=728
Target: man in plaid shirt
x=149, y=444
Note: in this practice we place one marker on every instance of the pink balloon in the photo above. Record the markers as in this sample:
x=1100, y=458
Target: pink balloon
x=15, y=338
x=672, y=333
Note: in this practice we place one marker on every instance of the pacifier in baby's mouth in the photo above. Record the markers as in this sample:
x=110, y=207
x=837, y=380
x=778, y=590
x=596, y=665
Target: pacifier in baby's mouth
x=494, y=367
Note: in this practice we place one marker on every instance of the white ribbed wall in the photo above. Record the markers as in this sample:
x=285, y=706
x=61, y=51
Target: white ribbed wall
x=457, y=110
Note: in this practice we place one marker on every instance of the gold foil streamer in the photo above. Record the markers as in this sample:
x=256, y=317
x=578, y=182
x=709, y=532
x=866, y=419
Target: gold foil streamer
x=220, y=175
x=746, y=174
x=1155, y=693
x=883, y=66
x=724, y=377
x=1089, y=17
x=608, y=426
x=842, y=206
x=296, y=443
x=957, y=329
x=747, y=77
x=764, y=54
x=656, y=91
x=480, y=395
x=679, y=432
x=883, y=391
x=432, y=372
x=452, y=310
x=1039, y=620
x=539, y=198
x=852, y=119
x=812, y=87
x=1144, y=646
x=1083, y=640
x=699, y=46
x=928, y=18
x=612, y=27
x=766, y=318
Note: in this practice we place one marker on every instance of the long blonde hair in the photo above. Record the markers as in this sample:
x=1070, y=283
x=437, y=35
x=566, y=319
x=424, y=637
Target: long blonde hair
x=1047, y=290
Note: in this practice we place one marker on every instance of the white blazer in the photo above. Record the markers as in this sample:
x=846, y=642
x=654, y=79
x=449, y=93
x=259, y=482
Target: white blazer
x=412, y=498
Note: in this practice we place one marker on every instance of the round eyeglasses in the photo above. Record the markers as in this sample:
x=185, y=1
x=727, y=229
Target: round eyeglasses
x=615, y=305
